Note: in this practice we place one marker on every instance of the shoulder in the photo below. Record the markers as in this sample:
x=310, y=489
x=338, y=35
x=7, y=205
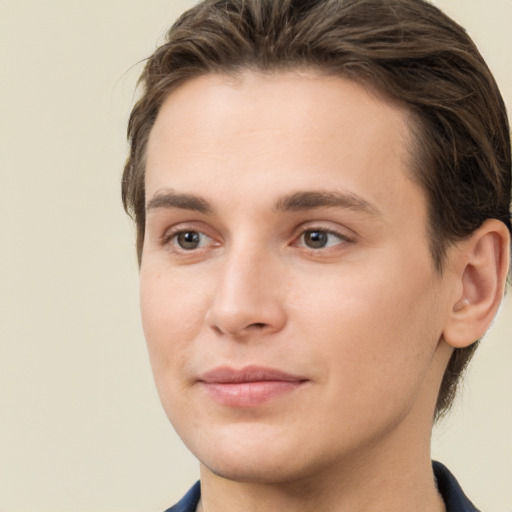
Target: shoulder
x=453, y=496
x=189, y=502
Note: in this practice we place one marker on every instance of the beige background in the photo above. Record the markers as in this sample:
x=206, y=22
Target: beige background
x=81, y=428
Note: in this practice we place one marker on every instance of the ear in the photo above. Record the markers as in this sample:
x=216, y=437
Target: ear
x=483, y=261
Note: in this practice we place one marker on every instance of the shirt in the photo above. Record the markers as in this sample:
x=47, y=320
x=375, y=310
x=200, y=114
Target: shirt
x=453, y=496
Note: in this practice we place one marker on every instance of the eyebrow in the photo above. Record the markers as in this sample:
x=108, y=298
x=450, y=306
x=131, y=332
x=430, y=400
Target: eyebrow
x=303, y=200
x=308, y=200
x=171, y=199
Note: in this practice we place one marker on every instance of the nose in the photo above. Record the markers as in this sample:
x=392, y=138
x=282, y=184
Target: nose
x=247, y=301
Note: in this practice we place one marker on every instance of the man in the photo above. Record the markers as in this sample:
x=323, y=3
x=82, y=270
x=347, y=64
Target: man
x=321, y=190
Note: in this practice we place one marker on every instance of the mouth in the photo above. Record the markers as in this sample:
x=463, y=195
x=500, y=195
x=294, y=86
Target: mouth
x=249, y=386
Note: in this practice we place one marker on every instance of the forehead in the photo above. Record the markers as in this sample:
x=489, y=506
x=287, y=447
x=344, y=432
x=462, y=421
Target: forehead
x=269, y=133
x=305, y=101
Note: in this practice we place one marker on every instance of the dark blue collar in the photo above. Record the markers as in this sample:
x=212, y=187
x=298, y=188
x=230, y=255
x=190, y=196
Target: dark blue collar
x=453, y=496
x=449, y=488
x=189, y=502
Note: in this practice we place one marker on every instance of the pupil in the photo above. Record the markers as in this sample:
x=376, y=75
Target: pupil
x=189, y=239
x=316, y=239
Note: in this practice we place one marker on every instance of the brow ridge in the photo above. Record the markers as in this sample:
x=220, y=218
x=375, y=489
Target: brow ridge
x=172, y=199
x=306, y=200
x=297, y=201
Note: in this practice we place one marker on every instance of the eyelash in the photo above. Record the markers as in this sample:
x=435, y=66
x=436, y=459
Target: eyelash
x=171, y=239
x=323, y=232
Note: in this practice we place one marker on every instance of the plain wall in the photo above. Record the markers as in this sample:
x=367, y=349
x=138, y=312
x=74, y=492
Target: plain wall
x=81, y=428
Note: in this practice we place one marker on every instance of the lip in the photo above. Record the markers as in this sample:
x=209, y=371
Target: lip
x=249, y=386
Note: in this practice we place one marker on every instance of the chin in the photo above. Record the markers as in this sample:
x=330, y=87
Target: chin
x=257, y=469
x=247, y=471
x=247, y=454
x=262, y=454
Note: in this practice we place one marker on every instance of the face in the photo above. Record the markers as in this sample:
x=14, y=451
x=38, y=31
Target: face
x=288, y=295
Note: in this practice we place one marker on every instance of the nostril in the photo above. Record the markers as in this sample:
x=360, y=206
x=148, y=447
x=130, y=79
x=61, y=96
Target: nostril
x=258, y=325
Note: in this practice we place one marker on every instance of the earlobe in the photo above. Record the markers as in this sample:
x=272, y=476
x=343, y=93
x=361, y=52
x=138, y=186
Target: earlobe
x=484, y=259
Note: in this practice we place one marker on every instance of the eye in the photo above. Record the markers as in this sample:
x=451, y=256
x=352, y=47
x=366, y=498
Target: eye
x=320, y=239
x=190, y=240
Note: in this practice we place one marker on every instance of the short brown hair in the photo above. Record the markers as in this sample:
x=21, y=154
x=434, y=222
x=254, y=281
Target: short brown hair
x=407, y=49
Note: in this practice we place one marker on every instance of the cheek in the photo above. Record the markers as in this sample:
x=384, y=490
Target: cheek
x=377, y=332
x=172, y=313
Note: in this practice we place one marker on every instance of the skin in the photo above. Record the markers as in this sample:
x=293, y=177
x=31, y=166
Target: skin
x=360, y=319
